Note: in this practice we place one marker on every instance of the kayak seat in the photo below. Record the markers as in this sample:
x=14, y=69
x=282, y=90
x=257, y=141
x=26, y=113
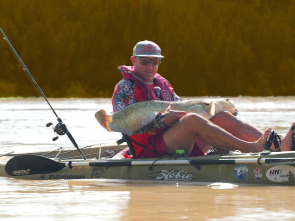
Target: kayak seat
x=126, y=139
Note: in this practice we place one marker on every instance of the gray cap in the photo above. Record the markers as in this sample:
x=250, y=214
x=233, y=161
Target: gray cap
x=147, y=49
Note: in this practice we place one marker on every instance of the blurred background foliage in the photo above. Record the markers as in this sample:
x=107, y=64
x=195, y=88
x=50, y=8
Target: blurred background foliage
x=211, y=47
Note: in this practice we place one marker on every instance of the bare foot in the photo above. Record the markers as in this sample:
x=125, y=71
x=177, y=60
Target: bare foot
x=287, y=140
x=262, y=140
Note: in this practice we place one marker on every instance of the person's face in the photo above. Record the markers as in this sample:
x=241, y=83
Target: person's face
x=146, y=67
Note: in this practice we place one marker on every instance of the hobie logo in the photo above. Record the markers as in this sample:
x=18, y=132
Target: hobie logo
x=174, y=175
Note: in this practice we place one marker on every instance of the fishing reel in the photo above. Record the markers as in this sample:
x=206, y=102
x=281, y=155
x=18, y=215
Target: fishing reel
x=59, y=129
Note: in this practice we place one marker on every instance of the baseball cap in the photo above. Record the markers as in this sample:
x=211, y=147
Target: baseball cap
x=147, y=49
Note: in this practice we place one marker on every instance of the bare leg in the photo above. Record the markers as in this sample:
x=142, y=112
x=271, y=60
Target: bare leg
x=204, y=147
x=245, y=131
x=183, y=135
x=287, y=140
x=236, y=127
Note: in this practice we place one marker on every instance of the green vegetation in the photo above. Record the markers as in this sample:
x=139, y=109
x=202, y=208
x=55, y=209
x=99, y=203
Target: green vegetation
x=211, y=47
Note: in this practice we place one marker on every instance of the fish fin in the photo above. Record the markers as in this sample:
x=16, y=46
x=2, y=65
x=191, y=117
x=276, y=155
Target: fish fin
x=212, y=109
x=104, y=119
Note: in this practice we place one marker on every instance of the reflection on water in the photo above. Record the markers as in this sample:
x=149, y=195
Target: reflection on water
x=58, y=200
x=121, y=200
x=22, y=128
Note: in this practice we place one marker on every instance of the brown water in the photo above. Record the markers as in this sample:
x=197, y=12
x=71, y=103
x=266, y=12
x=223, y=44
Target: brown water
x=22, y=129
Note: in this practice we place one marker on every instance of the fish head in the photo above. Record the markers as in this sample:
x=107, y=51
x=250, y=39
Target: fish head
x=224, y=105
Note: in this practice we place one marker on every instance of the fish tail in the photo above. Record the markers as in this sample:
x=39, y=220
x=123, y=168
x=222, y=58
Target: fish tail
x=104, y=119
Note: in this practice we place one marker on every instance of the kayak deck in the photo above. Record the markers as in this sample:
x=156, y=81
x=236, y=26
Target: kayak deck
x=91, y=152
x=270, y=168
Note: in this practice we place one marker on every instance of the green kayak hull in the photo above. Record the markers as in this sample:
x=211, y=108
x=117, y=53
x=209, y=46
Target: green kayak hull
x=266, y=168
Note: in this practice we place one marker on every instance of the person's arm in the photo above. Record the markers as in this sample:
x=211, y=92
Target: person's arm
x=158, y=123
x=163, y=120
x=124, y=96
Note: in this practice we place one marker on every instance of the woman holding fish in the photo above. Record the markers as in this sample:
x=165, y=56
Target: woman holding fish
x=174, y=129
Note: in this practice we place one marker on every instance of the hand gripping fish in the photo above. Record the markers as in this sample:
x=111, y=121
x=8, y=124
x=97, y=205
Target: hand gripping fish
x=135, y=116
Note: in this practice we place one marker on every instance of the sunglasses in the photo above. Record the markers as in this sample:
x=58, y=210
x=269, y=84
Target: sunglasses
x=147, y=61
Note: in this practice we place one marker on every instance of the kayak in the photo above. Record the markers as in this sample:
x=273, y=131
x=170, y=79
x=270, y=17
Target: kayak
x=264, y=168
x=104, y=162
x=97, y=151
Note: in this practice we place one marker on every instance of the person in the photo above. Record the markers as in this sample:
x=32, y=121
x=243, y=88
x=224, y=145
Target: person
x=173, y=130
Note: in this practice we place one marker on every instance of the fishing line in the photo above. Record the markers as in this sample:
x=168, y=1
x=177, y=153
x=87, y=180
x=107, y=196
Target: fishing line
x=24, y=67
x=60, y=128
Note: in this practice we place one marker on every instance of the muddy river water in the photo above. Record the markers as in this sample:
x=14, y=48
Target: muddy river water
x=22, y=129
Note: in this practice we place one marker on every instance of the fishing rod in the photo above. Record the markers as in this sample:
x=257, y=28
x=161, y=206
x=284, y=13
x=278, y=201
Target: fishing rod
x=60, y=128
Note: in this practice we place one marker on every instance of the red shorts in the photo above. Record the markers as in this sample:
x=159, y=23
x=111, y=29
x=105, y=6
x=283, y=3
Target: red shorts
x=156, y=148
